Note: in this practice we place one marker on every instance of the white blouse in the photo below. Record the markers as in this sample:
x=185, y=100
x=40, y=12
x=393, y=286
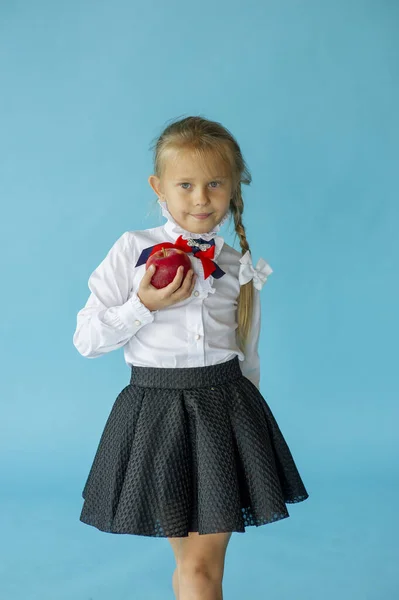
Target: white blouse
x=198, y=331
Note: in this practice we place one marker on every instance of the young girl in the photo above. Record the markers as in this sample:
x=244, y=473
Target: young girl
x=191, y=450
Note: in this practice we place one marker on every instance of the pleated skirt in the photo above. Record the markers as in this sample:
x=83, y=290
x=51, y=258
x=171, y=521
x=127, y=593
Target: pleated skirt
x=190, y=449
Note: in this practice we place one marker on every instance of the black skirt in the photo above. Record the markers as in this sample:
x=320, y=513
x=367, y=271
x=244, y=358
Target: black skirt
x=190, y=449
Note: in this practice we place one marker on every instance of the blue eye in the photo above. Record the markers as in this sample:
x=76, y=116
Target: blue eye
x=187, y=183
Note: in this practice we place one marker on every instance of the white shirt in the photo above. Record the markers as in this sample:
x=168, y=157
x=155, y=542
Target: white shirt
x=198, y=331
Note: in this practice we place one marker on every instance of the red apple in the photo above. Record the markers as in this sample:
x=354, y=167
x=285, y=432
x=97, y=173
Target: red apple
x=167, y=261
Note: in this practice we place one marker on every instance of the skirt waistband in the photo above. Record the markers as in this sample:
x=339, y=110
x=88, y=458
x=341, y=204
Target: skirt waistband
x=186, y=377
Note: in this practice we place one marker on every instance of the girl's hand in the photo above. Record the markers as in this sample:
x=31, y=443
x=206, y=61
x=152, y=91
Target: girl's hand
x=154, y=298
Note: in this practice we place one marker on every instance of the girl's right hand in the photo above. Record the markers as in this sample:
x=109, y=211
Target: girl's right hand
x=154, y=298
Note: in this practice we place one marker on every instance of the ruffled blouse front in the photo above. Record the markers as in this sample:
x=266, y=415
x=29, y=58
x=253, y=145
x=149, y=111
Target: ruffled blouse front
x=174, y=230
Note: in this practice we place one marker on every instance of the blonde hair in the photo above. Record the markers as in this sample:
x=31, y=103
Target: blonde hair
x=200, y=136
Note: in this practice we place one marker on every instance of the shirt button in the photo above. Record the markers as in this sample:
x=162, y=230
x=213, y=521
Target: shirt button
x=137, y=322
x=196, y=293
x=197, y=336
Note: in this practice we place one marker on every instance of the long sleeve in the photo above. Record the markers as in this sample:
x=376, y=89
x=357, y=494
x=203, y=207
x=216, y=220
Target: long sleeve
x=250, y=366
x=113, y=312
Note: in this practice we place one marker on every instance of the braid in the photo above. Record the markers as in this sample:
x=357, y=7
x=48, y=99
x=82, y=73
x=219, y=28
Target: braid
x=245, y=299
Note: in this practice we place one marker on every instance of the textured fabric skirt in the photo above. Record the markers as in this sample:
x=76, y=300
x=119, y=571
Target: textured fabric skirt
x=190, y=449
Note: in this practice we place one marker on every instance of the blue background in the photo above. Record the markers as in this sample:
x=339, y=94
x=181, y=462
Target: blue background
x=310, y=90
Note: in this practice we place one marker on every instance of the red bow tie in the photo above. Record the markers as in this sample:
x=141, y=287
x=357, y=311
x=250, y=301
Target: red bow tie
x=210, y=267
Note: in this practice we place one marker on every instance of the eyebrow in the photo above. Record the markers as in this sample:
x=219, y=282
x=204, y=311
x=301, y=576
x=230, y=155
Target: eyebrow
x=214, y=177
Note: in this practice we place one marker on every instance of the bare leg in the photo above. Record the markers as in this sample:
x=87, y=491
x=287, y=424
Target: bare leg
x=175, y=583
x=175, y=543
x=198, y=585
x=201, y=562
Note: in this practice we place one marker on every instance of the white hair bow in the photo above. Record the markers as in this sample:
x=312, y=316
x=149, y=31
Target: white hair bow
x=259, y=273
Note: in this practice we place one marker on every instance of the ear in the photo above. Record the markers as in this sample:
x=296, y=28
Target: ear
x=155, y=183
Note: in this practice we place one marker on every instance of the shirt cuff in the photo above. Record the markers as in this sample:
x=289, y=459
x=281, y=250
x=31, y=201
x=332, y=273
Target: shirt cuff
x=134, y=314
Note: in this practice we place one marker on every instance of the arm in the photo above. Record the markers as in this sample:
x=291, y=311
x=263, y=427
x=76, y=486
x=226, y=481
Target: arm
x=250, y=366
x=112, y=315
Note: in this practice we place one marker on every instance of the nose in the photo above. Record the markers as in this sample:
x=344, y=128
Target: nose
x=201, y=198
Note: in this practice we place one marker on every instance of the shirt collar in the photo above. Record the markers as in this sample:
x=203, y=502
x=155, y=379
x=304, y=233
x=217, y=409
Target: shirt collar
x=174, y=230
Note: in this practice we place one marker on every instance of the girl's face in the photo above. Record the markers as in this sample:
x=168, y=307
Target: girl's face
x=189, y=190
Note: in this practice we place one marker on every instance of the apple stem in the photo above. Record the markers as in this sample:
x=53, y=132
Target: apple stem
x=164, y=251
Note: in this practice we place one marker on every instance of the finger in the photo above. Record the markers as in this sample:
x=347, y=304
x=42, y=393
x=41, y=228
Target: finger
x=149, y=274
x=186, y=287
x=188, y=280
x=175, y=283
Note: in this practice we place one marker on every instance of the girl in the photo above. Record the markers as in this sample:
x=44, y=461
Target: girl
x=191, y=450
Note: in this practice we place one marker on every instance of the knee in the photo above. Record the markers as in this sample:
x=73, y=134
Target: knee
x=200, y=573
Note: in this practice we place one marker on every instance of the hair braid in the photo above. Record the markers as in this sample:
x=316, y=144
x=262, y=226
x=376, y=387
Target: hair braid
x=245, y=299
